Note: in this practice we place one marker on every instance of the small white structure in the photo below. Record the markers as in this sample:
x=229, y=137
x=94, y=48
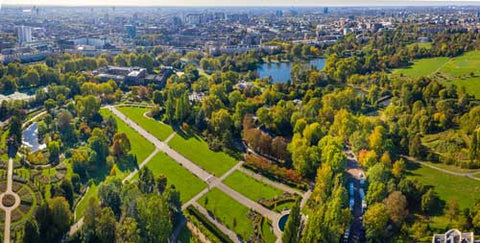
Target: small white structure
x=30, y=138
x=454, y=236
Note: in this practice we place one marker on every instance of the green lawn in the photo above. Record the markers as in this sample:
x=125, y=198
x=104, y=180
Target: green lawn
x=187, y=183
x=448, y=186
x=82, y=206
x=426, y=45
x=228, y=211
x=196, y=150
x=156, y=128
x=422, y=67
x=140, y=146
x=457, y=70
x=251, y=187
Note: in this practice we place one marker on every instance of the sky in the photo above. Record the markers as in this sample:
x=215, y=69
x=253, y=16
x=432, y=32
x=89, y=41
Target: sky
x=241, y=2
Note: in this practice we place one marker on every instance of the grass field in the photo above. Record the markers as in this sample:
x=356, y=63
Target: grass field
x=461, y=71
x=422, y=67
x=426, y=45
x=139, y=146
x=156, y=128
x=447, y=186
x=187, y=183
x=196, y=149
x=251, y=187
x=228, y=211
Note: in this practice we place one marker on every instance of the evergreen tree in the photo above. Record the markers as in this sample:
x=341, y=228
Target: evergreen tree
x=292, y=227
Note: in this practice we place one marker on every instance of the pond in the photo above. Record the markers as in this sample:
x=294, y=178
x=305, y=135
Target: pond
x=30, y=138
x=282, y=222
x=280, y=72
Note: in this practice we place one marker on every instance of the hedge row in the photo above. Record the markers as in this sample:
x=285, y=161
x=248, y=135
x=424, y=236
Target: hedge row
x=209, y=225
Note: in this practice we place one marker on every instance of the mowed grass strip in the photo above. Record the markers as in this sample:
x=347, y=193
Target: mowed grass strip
x=196, y=149
x=228, y=211
x=447, y=186
x=251, y=187
x=188, y=184
x=156, y=128
x=423, y=67
x=141, y=147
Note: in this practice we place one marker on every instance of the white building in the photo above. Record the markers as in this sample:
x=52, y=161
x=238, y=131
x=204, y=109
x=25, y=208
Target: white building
x=24, y=34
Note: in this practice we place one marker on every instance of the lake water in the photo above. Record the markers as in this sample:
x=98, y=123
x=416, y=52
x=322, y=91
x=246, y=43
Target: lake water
x=30, y=138
x=280, y=72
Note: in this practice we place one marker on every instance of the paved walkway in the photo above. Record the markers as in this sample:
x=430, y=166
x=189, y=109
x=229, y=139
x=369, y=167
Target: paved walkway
x=8, y=210
x=208, y=178
x=145, y=161
x=470, y=175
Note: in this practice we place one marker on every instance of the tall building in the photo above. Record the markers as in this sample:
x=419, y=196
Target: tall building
x=24, y=34
x=325, y=10
x=131, y=31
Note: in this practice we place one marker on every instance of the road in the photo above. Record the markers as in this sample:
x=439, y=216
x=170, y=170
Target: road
x=355, y=170
x=8, y=210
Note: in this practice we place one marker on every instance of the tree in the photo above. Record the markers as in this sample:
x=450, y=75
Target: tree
x=31, y=233
x=91, y=216
x=106, y=225
x=127, y=231
x=399, y=168
x=121, y=145
x=161, y=183
x=452, y=209
x=53, y=218
x=14, y=138
x=154, y=218
x=54, y=152
x=221, y=121
x=396, y=205
x=87, y=106
x=429, y=199
x=109, y=194
x=375, y=221
x=415, y=147
x=146, y=180
x=293, y=224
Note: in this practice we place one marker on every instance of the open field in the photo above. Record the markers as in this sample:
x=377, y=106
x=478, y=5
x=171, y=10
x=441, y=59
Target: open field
x=447, y=186
x=196, y=149
x=228, y=211
x=426, y=45
x=461, y=71
x=156, y=128
x=422, y=67
x=187, y=183
x=250, y=187
x=141, y=147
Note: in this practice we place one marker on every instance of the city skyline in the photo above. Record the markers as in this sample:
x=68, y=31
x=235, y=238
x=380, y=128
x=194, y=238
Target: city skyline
x=265, y=3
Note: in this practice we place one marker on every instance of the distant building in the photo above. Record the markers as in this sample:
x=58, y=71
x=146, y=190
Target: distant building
x=24, y=34
x=132, y=75
x=194, y=19
x=279, y=13
x=325, y=10
x=131, y=31
x=454, y=236
x=90, y=41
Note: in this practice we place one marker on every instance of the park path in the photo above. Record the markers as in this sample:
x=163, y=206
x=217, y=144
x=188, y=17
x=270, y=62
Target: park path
x=470, y=175
x=357, y=174
x=211, y=180
x=8, y=210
